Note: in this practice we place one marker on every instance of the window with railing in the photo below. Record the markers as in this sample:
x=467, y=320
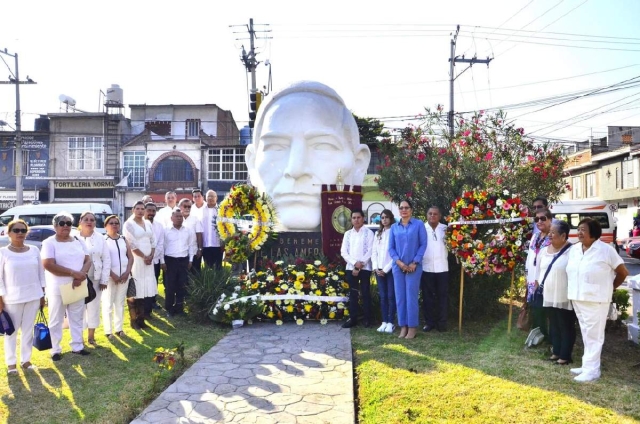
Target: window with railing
x=85, y=154
x=134, y=165
x=173, y=168
x=227, y=164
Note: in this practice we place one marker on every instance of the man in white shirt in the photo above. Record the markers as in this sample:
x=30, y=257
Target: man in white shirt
x=193, y=223
x=197, y=202
x=434, y=283
x=164, y=215
x=357, y=247
x=179, y=249
x=158, y=234
x=211, y=245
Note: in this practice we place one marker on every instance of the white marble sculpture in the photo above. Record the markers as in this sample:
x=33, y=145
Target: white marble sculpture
x=304, y=135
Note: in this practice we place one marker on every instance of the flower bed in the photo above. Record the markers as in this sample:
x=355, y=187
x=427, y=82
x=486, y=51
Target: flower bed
x=300, y=291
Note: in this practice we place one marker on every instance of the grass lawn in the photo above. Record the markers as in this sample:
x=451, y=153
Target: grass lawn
x=488, y=376
x=112, y=385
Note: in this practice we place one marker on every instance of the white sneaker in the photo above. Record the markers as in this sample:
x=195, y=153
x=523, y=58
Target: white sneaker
x=382, y=327
x=389, y=328
x=587, y=376
x=577, y=371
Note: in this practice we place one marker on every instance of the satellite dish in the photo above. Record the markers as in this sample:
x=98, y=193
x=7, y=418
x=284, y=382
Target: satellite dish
x=67, y=100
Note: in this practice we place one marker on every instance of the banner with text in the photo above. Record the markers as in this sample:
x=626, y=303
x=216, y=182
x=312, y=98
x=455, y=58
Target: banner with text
x=35, y=161
x=336, y=216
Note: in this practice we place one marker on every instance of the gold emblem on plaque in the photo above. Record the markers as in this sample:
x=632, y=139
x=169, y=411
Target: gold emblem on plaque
x=341, y=219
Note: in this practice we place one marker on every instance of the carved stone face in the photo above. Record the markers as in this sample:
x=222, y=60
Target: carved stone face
x=302, y=145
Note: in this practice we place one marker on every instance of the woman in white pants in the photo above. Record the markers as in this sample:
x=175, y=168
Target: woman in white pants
x=21, y=292
x=594, y=270
x=99, y=271
x=121, y=261
x=65, y=260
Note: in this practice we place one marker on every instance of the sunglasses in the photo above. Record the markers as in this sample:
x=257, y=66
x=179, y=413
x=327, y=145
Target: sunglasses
x=540, y=218
x=185, y=207
x=19, y=230
x=63, y=223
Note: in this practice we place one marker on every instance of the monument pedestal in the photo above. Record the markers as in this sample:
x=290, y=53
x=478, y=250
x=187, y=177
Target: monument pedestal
x=293, y=244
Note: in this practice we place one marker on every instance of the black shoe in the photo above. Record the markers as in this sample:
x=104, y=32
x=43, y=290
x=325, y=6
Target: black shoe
x=427, y=328
x=82, y=352
x=156, y=306
x=56, y=357
x=350, y=323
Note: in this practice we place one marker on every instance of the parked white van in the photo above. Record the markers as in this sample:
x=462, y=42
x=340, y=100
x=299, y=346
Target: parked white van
x=43, y=214
x=574, y=211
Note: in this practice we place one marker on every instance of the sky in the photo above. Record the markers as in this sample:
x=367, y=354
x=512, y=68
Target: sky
x=388, y=59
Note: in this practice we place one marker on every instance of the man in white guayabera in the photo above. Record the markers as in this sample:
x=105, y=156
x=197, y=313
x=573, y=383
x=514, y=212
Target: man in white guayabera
x=304, y=136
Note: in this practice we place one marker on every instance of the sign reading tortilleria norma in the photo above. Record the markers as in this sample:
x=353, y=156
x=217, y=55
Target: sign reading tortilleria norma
x=336, y=216
x=84, y=184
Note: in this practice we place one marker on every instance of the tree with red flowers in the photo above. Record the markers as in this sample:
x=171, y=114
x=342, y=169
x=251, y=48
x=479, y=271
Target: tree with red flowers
x=428, y=166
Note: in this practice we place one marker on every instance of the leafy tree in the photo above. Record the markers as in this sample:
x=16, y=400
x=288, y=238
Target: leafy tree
x=432, y=168
x=370, y=130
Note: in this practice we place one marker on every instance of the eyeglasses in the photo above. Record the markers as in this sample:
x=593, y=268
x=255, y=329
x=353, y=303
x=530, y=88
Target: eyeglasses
x=404, y=208
x=538, y=207
x=540, y=218
x=63, y=223
x=19, y=230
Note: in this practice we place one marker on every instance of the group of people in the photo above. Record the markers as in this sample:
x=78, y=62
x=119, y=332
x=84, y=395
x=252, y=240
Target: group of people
x=407, y=257
x=567, y=281
x=124, y=264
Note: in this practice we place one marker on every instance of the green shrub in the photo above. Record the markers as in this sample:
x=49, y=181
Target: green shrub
x=204, y=290
x=621, y=299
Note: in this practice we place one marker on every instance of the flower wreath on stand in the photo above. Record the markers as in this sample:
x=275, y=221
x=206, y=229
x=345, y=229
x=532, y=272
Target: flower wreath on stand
x=240, y=235
x=487, y=231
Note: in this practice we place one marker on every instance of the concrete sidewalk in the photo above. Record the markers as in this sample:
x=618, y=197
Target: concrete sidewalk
x=265, y=373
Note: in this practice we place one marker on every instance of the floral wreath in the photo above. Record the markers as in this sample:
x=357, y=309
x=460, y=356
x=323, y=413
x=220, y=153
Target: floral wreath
x=241, y=202
x=487, y=231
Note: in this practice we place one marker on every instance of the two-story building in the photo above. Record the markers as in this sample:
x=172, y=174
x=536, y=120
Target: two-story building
x=610, y=171
x=179, y=148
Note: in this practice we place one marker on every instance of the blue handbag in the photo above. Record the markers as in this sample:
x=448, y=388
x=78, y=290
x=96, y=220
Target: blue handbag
x=41, y=334
x=6, y=325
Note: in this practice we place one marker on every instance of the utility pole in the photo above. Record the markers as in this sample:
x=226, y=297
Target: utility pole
x=18, y=138
x=251, y=63
x=453, y=59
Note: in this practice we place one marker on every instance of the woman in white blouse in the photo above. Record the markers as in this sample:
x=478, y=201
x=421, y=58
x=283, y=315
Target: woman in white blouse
x=140, y=237
x=381, y=262
x=562, y=319
x=595, y=269
x=116, y=292
x=99, y=271
x=21, y=292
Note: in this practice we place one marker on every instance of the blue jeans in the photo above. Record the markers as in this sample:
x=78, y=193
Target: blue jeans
x=387, y=293
x=407, y=287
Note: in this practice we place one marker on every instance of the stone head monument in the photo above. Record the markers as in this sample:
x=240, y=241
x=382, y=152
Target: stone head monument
x=304, y=136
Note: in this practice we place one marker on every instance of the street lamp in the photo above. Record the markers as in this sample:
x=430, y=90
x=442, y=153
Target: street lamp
x=15, y=79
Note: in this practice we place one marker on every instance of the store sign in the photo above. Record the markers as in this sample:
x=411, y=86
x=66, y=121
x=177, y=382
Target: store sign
x=84, y=184
x=27, y=196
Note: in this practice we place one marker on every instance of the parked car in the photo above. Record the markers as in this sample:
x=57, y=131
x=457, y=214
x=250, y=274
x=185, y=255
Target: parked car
x=633, y=247
x=36, y=235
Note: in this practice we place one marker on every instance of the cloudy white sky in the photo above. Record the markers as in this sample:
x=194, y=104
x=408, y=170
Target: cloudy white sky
x=387, y=59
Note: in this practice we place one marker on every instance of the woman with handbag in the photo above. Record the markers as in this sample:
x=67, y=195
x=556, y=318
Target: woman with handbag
x=119, y=275
x=552, y=276
x=21, y=292
x=539, y=241
x=140, y=237
x=99, y=271
x=595, y=269
x=65, y=260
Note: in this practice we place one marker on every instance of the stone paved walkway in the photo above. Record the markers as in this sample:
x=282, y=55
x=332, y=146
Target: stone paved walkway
x=265, y=373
